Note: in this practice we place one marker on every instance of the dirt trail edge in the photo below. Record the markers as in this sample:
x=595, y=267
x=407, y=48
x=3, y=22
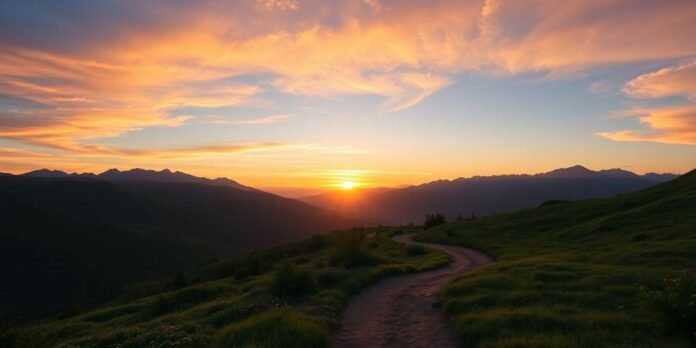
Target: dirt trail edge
x=398, y=311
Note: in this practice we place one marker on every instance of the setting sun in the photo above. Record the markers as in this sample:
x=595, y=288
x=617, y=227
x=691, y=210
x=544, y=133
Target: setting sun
x=348, y=185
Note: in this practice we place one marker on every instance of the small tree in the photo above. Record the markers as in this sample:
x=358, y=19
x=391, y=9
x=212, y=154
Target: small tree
x=350, y=249
x=290, y=281
x=432, y=220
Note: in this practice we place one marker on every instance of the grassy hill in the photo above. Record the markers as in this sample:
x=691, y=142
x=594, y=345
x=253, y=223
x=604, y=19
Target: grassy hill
x=614, y=272
x=75, y=242
x=287, y=296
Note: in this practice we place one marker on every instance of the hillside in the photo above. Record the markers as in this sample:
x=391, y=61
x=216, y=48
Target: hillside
x=483, y=195
x=577, y=274
x=287, y=296
x=76, y=241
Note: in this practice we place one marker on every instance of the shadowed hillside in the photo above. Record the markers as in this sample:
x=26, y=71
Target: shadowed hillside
x=611, y=272
x=73, y=242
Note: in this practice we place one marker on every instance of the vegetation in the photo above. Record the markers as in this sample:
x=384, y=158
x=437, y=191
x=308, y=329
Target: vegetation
x=350, y=249
x=581, y=274
x=288, y=296
x=674, y=304
x=89, y=238
x=432, y=220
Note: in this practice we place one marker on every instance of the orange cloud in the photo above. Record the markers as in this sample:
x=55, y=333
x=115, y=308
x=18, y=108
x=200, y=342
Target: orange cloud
x=403, y=51
x=668, y=125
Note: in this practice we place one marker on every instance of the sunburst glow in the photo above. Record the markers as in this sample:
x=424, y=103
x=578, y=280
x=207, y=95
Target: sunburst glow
x=348, y=185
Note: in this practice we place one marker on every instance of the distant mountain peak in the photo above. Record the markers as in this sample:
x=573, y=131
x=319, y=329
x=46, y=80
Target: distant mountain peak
x=570, y=172
x=618, y=172
x=46, y=173
x=110, y=172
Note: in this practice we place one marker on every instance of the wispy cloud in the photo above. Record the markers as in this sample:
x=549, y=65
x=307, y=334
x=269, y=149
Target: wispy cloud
x=251, y=121
x=672, y=124
x=122, y=67
x=679, y=80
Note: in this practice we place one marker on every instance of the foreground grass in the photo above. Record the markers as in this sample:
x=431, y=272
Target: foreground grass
x=577, y=274
x=288, y=296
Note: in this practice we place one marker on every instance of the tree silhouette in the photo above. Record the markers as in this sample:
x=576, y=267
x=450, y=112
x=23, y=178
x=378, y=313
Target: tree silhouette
x=432, y=220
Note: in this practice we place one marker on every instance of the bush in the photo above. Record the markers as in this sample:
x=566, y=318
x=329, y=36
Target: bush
x=415, y=250
x=315, y=243
x=432, y=220
x=290, y=281
x=350, y=249
x=331, y=276
x=674, y=304
x=276, y=328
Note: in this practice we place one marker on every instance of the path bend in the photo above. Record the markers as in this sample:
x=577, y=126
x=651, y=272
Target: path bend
x=398, y=311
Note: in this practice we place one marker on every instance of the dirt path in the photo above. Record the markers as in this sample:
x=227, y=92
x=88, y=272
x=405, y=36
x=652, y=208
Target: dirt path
x=398, y=311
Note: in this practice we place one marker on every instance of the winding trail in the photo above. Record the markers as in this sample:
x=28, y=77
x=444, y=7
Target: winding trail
x=398, y=311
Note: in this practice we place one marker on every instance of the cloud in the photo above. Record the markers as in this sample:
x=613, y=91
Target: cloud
x=679, y=80
x=667, y=125
x=193, y=152
x=282, y=5
x=259, y=120
x=80, y=69
x=672, y=124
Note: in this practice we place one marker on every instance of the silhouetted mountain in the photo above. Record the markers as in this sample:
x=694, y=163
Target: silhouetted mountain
x=47, y=173
x=571, y=172
x=482, y=195
x=77, y=241
x=659, y=177
x=136, y=174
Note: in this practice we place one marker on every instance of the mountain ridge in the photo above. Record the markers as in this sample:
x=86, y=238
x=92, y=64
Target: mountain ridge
x=164, y=175
x=483, y=195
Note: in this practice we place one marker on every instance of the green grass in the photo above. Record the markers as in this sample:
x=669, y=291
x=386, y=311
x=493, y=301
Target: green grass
x=570, y=274
x=288, y=296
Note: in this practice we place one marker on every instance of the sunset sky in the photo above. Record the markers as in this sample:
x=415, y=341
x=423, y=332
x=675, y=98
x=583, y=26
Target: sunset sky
x=300, y=95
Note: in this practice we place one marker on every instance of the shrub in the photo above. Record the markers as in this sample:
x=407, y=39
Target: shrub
x=332, y=275
x=415, y=250
x=432, y=220
x=350, y=249
x=674, y=304
x=275, y=328
x=179, y=281
x=290, y=281
x=315, y=243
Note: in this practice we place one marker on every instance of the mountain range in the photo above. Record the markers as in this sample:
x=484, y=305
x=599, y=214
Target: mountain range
x=138, y=174
x=484, y=195
x=76, y=240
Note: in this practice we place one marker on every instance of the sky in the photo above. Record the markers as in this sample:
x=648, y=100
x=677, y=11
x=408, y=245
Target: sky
x=298, y=96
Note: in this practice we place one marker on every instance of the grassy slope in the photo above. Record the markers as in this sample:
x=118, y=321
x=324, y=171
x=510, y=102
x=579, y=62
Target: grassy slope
x=568, y=274
x=231, y=303
x=75, y=242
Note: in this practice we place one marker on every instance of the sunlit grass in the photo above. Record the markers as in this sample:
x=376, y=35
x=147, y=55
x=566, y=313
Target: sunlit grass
x=571, y=274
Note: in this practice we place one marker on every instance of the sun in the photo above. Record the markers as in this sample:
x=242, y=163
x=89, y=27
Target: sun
x=348, y=185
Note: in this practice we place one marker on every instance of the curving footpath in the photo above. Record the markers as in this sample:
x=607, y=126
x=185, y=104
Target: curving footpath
x=399, y=311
